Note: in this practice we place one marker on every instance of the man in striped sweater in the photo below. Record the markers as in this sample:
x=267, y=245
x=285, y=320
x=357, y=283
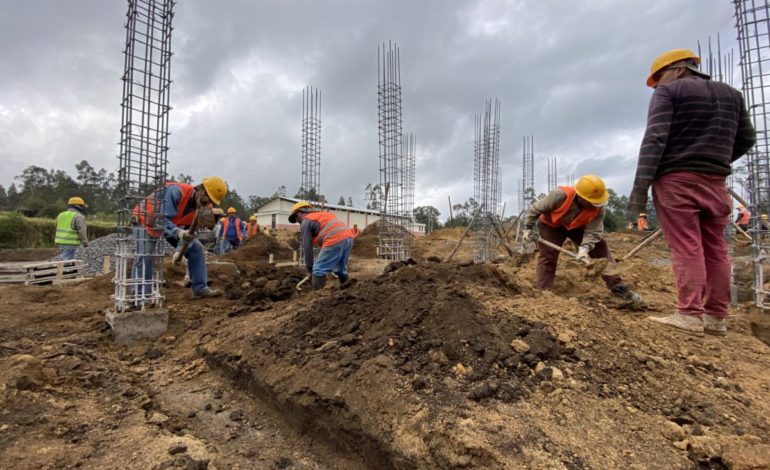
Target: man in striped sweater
x=696, y=128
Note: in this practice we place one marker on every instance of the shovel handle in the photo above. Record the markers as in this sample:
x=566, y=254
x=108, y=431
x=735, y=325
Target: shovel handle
x=654, y=236
x=304, y=280
x=558, y=248
x=183, y=249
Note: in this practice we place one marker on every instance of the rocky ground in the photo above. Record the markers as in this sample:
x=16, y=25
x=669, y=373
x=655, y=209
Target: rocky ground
x=431, y=365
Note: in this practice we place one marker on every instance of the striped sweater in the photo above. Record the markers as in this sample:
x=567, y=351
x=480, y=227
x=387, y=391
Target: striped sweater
x=693, y=124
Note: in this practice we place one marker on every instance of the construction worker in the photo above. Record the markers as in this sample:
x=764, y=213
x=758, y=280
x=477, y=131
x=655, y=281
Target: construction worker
x=233, y=231
x=216, y=246
x=696, y=128
x=576, y=213
x=179, y=204
x=744, y=216
x=252, y=228
x=71, y=229
x=356, y=230
x=641, y=222
x=323, y=229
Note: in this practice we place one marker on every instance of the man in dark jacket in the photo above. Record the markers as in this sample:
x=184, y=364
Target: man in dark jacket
x=696, y=128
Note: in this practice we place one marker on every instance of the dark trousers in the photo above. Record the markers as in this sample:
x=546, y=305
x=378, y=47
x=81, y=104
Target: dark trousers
x=548, y=258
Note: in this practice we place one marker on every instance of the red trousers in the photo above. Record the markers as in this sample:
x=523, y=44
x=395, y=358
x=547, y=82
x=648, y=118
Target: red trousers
x=694, y=209
x=548, y=258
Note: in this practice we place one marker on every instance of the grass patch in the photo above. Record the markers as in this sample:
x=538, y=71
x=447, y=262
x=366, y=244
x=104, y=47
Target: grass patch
x=17, y=231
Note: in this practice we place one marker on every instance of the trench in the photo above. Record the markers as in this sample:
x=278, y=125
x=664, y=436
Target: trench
x=329, y=420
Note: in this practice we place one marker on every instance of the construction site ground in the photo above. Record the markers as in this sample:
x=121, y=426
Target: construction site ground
x=432, y=364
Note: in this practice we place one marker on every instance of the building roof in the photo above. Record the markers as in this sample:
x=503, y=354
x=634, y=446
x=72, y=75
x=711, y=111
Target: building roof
x=330, y=206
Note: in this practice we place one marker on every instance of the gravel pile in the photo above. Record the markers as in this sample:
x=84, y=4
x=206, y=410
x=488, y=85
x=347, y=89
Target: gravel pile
x=97, y=249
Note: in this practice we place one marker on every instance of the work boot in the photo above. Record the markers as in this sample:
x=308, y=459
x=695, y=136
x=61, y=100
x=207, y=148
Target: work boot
x=714, y=326
x=688, y=323
x=206, y=293
x=318, y=282
x=626, y=294
x=344, y=278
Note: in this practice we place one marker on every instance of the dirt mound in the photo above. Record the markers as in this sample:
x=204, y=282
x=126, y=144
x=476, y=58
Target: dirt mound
x=258, y=248
x=366, y=243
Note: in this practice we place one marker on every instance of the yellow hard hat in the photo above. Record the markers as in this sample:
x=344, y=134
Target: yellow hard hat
x=231, y=210
x=253, y=218
x=296, y=208
x=592, y=189
x=668, y=58
x=77, y=201
x=642, y=215
x=216, y=188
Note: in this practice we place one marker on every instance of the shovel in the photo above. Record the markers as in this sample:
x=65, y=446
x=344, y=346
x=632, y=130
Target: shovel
x=304, y=280
x=618, y=267
x=563, y=250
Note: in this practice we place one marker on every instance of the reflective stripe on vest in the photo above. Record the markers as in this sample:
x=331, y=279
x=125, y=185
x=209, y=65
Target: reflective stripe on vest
x=65, y=234
x=226, y=223
x=745, y=215
x=144, y=212
x=556, y=217
x=332, y=230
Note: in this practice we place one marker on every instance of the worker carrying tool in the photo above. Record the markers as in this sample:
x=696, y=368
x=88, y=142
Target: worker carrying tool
x=323, y=229
x=180, y=207
x=641, y=222
x=71, y=228
x=744, y=216
x=576, y=213
x=252, y=228
x=696, y=128
x=233, y=231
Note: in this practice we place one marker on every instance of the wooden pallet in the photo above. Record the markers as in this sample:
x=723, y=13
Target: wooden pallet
x=53, y=271
x=13, y=273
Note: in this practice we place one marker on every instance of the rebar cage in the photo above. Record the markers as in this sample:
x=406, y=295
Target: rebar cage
x=487, y=191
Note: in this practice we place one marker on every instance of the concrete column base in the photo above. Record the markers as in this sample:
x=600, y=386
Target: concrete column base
x=130, y=327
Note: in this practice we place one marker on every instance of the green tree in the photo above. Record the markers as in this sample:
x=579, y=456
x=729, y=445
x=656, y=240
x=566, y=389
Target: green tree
x=615, y=212
x=427, y=215
x=374, y=196
x=341, y=201
x=3, y=199
x=350, y=201
x=233, y=199
x=13, y=197
x=255, y=202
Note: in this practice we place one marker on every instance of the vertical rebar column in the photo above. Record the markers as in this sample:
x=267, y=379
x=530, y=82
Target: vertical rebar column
x=520, y=194
x=486, y=178
x=753, y=25
x=310, y=188
x=408, y=150
x=143, y=152
x=553, y=175
x=528, y=170
x=393, y=226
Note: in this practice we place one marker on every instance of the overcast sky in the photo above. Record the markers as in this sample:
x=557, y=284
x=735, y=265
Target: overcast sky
x=571, y=73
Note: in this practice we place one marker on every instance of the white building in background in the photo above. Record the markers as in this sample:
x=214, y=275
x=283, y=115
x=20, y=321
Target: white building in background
x=275, y=215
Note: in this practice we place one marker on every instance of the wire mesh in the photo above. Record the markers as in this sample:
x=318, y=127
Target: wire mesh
x=528, y=170
x=310, y=187
x=408, y=151
x=486, y=178
x=753, y=25
x=553, y=174
x=393, y=226
x=143, y=153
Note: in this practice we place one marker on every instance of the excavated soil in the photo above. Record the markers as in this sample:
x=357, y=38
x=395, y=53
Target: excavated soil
x=259, y=247
x=429, y=365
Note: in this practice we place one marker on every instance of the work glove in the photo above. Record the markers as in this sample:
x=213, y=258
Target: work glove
x=529, y=235
x=582, y=254
x=185, y=235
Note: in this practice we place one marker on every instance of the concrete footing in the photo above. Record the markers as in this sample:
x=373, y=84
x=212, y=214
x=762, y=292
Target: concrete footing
x=136, y=325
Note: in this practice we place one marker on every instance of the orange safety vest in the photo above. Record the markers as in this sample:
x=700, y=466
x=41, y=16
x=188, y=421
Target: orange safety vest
x=147, y=217
x=252, y=228
x=641, y=224
x=555, y=218
x=226, y=223
x=332, y=230
x=744, y=220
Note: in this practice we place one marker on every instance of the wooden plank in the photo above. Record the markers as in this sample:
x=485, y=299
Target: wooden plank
x=48, y=264
x=57, y=271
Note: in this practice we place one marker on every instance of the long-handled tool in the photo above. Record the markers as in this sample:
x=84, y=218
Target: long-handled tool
x=304, y=280
x=179, y=254
x=563, y=250
x=619, y=266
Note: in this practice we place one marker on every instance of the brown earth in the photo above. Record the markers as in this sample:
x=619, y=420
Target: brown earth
x=27, y=254
x=431, y=365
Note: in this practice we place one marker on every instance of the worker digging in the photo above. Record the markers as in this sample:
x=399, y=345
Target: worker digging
x=575, y=213
x=323, y=229
x=180, y=205
x=696, y=129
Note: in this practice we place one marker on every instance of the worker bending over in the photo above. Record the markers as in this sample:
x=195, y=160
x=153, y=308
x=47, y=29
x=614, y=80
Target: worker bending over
x=742, y=221
x=179, y=204
x=323, y=229
x=696, y=128
x=71, y=229
x=641, y=222
x=576, y=213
